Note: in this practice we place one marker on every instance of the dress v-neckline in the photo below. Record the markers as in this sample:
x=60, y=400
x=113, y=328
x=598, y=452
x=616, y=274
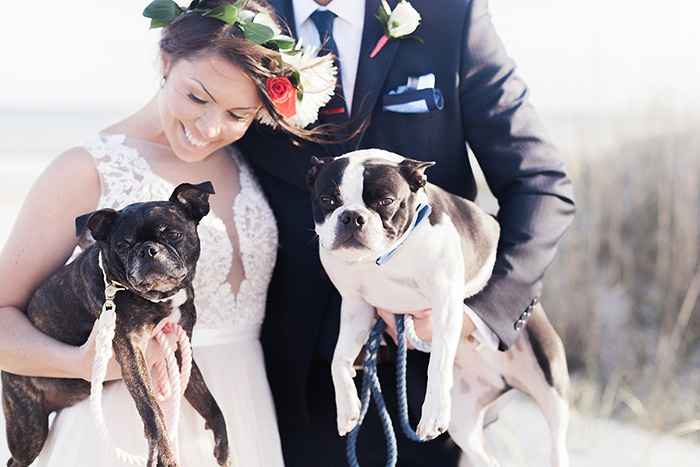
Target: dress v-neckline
x=213, y=218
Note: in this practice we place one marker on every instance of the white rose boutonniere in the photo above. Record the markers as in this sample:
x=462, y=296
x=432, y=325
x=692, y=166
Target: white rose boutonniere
x=398, y=24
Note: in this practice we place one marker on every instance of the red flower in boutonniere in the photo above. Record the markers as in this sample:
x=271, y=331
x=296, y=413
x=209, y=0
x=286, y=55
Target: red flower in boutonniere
x=397, y=24
x=284, y=95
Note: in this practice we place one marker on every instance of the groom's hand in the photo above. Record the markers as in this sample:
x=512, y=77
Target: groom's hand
x=423, y=324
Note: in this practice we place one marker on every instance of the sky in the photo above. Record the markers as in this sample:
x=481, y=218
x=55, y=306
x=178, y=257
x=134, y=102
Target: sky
x=582, y=56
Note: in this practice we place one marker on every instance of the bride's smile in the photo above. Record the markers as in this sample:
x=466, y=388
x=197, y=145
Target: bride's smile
x=192, y=140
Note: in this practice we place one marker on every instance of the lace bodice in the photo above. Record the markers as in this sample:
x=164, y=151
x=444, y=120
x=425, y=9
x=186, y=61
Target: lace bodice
x=126, y=177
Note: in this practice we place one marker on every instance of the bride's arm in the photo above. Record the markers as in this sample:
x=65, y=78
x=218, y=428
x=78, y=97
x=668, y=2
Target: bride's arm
x=41, y=241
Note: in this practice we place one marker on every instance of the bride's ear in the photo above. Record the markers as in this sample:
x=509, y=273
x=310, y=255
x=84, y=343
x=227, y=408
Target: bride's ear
x=164, y=64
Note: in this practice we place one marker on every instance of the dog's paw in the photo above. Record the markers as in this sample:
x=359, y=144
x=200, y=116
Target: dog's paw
x=348, y=415
x=435, y=420
x=221, y=452
x=431, y=429
x=160, y=454
x=164, y=461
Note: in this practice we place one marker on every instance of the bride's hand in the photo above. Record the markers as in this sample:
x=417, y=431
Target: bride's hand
x=88, y=350
x=422, y=323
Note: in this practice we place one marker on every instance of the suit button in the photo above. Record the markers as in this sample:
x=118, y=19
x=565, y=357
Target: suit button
x=519, y=325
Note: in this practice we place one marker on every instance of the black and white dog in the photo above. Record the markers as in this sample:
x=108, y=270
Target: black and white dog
x=389, y=239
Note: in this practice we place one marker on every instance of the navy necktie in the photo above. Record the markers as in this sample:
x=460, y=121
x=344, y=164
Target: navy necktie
x=335, y=111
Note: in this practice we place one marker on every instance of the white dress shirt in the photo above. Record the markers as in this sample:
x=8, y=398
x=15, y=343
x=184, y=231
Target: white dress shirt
x=347, y=33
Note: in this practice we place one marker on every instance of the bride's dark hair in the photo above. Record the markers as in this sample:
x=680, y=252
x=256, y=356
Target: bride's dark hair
x=194, y=36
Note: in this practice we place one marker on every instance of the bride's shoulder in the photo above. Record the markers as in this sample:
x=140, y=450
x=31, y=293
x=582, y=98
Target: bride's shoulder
x=69, y=185
x=75, y=164
x=75, y=160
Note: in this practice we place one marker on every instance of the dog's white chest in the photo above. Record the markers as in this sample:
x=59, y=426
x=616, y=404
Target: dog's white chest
x=388, y=286
x=176, y=301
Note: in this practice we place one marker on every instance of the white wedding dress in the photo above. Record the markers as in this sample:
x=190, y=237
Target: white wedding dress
x=225, y=341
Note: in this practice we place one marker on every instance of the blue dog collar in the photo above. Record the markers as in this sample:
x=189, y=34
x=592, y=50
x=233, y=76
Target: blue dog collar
x=422, y=213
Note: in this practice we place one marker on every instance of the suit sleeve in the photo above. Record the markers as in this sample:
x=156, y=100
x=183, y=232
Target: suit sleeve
x=523, y=169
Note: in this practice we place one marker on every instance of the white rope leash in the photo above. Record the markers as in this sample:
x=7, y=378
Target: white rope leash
x=105, y=336
x=413, y=337
x=105, y=326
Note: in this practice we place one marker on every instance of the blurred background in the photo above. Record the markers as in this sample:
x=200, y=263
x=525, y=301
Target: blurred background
x=616, y=82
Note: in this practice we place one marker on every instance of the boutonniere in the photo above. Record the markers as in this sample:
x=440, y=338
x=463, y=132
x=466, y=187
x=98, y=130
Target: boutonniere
x=398, y=24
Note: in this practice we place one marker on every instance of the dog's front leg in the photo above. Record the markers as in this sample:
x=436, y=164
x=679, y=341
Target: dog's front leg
x=138, y=381
x=197, y=394
x=447, y=327
x=356, y=321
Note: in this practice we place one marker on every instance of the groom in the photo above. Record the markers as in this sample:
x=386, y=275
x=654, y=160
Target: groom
x=474, y=99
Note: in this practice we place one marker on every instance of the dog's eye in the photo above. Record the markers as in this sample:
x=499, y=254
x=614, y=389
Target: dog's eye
x=386, y=202
x=123, y=244
x=173, y=235
x=327, y=200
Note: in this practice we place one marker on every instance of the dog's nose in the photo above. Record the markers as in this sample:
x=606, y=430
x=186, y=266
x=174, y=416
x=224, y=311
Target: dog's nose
x=352, y=219
x=147, y=251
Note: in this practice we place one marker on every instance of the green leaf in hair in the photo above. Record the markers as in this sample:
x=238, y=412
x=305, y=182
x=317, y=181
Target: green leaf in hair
x=257, y=33
x=285, y=43
x=226, y=13
x=162, y=12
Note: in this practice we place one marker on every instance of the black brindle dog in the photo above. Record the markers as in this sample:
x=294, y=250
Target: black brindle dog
x=151, y=249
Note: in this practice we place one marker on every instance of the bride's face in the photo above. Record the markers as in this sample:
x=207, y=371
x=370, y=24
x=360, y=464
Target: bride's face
x=205, y=105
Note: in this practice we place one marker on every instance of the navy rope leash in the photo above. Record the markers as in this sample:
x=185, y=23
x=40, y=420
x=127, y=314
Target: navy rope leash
x=371, y=387
x=401, y=381
x=370, y=384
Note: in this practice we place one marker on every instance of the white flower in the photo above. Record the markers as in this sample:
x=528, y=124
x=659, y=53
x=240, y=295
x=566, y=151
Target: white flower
x=397, y=24
x=403, y=20
x=317, y=80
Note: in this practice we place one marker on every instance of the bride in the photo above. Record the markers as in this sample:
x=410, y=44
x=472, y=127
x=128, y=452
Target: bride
x=215, y=84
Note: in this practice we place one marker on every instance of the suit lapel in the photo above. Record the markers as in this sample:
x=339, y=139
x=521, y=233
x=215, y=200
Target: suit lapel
x=371, y=72
x=285, y=11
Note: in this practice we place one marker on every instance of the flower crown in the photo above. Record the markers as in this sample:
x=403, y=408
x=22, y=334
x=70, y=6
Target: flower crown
x=297, y=94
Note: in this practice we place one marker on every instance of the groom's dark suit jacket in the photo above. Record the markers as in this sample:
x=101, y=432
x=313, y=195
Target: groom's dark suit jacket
x=485, y=107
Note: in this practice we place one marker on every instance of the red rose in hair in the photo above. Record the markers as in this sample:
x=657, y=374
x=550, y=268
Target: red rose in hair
x=283, y=95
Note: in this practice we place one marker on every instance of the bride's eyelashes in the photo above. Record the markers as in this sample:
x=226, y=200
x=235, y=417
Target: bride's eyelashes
x=237, y=118
x=195, y=99
x=199, y=101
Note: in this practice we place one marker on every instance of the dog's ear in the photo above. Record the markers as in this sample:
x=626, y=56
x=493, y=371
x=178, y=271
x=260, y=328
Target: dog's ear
x=193, y=199
x=414, y=172
x=99, y=223
x=81, y=223
x=317, y=163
